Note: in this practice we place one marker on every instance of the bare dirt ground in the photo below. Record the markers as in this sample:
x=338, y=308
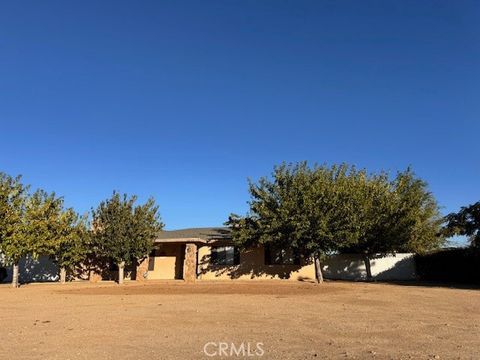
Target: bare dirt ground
x=174, y=320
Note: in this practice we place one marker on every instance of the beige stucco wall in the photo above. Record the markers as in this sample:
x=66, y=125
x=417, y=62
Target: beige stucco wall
x=169, y=264
x=252, y=266
x=164, y=268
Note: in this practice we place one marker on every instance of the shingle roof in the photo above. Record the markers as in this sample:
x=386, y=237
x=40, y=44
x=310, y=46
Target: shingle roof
x=218, y=233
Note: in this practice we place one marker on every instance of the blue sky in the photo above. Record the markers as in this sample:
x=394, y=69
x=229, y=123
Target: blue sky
x=185, y=100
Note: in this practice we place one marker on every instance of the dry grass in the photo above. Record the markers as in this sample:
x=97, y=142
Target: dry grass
x=173, y=320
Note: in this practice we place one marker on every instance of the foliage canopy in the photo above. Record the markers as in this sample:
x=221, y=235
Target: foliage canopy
x=28, y=222
x=465, y=222
x=72, y=240
x=123, y=231
x=321, y=209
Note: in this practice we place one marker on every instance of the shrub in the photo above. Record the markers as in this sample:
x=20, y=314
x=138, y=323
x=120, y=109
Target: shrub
x=450, y=265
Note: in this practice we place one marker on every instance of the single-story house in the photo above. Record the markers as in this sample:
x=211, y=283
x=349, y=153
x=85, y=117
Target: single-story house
x=209, y=254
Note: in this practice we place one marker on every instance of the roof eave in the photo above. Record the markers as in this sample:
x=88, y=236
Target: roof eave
x=180, y=240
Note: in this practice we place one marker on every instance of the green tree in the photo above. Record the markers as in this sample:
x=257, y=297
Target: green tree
x=466, y=222
x=72, y=242
x=124, y=232
x=13, y=199
x=416, y=214
x=301, y=209
x=321, y=210
x=41, y=221
x=398, y=215
x=27, y=222
x=370, y=198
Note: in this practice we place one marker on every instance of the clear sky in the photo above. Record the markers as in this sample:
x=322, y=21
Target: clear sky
x=185, y=100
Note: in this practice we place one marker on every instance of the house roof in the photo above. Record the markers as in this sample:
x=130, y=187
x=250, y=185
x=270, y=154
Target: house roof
x=194, y=234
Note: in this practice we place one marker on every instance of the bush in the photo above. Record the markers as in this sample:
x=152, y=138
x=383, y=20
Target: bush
x=450, y=265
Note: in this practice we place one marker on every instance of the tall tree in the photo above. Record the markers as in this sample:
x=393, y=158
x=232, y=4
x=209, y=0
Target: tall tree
x=13, y=199
x=417, y=215
x=124, y=232
x=300, y=209
x=72, y=242
x=398, y=215
x=466, y=222
x=320, y=210
x=41, y=223
x=373, y=208
x=27, y=222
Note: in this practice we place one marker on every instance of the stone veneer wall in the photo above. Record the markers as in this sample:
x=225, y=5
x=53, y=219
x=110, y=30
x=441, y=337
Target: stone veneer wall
x=142, y=270
x=94, y=276
x=190, y=263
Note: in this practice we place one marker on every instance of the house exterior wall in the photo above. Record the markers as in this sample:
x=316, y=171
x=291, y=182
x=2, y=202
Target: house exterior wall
x=167, y=262
x=252, y=267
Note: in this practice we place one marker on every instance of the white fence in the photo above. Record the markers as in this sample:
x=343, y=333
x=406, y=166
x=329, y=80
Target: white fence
x=400, y=266
x=32, y=270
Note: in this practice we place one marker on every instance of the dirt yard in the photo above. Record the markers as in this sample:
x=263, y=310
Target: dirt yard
x=173, y=320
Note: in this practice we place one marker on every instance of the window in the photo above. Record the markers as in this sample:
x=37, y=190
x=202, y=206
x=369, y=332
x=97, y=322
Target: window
x=278, y=256
x=225, y=255
x=151, y=261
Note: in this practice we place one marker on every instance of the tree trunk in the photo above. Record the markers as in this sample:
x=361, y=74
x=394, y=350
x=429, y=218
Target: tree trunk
x=318, y=268
x=121, y=268
x=15, y=275
x=63, y=275
x=368, y=267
